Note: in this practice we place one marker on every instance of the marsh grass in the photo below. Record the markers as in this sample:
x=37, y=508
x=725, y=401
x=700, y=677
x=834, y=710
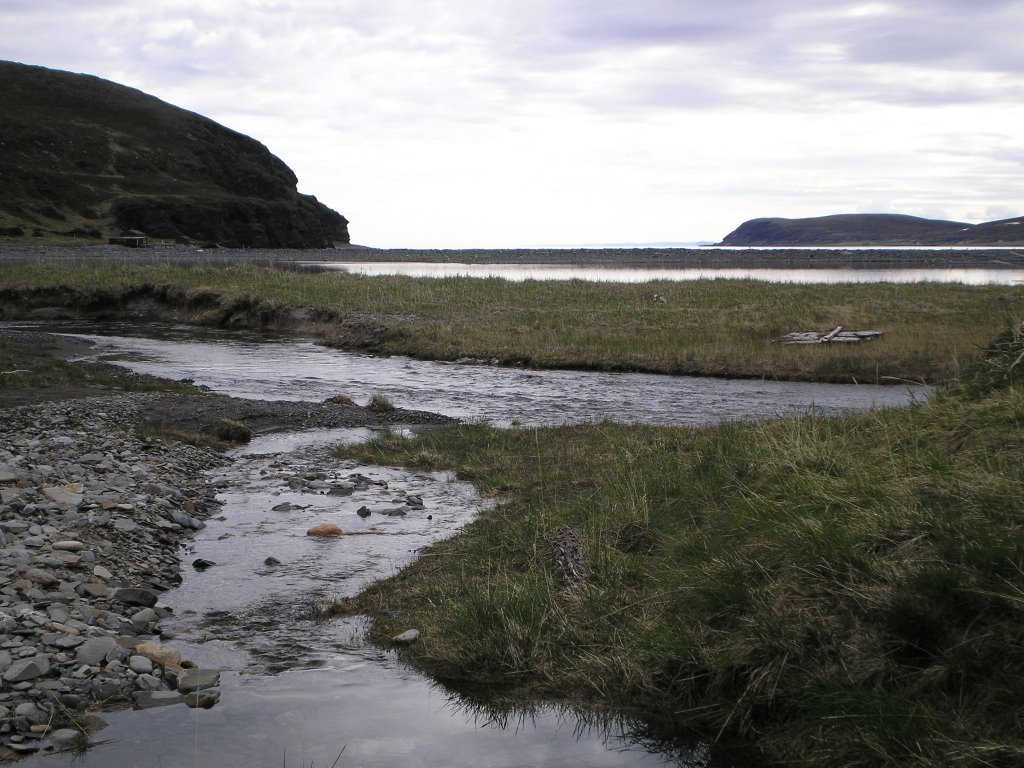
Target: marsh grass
x=712, y=327
x=844, y=591
x=29, y=365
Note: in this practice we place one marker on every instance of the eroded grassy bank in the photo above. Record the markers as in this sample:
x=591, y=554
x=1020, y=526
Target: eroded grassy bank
x=843, y=592
x=38, y=361
x=720, y=328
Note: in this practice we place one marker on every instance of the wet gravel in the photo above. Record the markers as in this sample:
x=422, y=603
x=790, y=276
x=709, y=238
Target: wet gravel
x=93, y=514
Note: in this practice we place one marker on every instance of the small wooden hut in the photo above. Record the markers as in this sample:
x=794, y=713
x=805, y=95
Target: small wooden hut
x=131, y=239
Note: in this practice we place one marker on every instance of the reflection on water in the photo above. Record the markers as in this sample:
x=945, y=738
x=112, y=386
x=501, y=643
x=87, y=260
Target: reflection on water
x=374, y=717
x=521, y=272
x=267, y=509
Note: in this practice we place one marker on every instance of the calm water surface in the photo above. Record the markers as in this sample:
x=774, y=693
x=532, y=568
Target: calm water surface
x=521, y=272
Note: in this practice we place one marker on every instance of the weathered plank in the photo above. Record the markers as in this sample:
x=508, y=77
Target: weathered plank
x=836, y=336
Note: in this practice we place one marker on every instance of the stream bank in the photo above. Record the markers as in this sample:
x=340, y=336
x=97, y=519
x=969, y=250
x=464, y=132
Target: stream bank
x=282, y=684
x=93, y=515
x=91, y=520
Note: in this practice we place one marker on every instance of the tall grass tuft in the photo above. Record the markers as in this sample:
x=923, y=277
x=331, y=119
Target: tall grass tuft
x=1001, y=363
x=380, y=402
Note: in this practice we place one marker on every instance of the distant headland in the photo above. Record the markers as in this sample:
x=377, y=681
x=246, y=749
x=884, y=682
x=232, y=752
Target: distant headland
x=874, y=229
x=83, y=159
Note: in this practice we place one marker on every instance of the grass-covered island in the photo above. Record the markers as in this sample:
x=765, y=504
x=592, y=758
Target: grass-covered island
x=839, y=592
x=843, y=592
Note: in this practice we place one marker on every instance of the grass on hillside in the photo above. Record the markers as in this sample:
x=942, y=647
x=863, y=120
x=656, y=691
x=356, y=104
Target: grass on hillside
x=842, y=592
x=719, y=327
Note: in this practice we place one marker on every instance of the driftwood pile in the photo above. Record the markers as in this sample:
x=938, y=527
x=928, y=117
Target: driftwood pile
x=567, y=551
x=836, y=336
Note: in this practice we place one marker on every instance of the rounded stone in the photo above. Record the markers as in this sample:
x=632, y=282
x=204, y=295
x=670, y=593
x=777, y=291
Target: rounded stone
x=94, y=650
x=68, y=546
x=202, y=699
x=64, y=736
x=32, y=713
x=406, y=638
x=27, y=669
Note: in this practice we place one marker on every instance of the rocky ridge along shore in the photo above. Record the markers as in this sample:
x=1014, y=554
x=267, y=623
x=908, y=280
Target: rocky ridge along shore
x=91, y=520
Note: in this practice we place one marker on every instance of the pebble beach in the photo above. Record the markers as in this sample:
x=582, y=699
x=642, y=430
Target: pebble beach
x=91, y=520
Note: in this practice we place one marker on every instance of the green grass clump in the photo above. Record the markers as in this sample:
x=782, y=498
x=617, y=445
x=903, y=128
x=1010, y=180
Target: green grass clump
x=341, y=400
x=708, y=327
x=25, y=366
x=380, y=402
x=232, y=431
x=843, y=592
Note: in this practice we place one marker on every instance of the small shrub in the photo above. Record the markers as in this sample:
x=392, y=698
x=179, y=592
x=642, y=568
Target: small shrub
x=232, y=431
x=380, y=402
x=341, y=400
x=163, y=432
x=1001, y=365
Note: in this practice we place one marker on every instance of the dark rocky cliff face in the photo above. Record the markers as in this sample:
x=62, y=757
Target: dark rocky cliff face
x=81, y=154
x=874, y=229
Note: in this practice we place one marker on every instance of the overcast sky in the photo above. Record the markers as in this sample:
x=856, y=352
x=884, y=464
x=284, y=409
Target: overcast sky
x=503, y=123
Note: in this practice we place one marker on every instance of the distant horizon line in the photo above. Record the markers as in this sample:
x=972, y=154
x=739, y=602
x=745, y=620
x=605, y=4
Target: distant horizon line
x=688, y=245
x=538, y=247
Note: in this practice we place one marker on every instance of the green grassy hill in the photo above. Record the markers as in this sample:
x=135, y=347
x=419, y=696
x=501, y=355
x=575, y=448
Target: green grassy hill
x=874, y=229
x=84, y=158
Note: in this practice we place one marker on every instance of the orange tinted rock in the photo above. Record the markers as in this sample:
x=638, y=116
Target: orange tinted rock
x=158, y=652
x=325, y=529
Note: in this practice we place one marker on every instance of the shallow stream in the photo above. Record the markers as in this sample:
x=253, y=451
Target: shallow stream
x=253, y=366
x=296, y=690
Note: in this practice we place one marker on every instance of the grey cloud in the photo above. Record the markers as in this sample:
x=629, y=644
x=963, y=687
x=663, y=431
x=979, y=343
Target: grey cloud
x=764, y=40
x=548, y=49
x=647, y=31
x=967, y=42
